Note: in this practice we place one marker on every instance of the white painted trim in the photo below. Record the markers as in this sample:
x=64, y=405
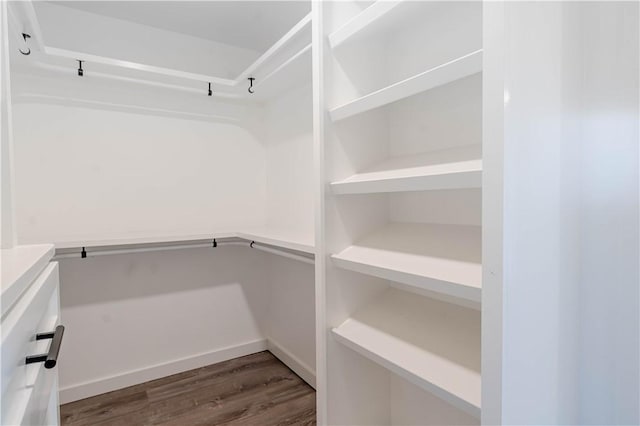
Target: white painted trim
x=72, y=54
x=493, y=211
x=96, y=74
x=29, y=98
x=8, y=232
x=299, y=367
x=319, y=108
x=134, y=377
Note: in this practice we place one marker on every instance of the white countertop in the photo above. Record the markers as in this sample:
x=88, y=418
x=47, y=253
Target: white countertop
x=19, y=267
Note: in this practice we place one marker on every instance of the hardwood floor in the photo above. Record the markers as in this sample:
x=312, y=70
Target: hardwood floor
x=256, y=389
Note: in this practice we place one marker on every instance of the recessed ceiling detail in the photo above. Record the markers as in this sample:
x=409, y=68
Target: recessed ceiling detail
x=254, y=25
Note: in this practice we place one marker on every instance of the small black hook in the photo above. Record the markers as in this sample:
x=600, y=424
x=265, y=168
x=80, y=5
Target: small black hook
x=80, y=70
x=251, y=84
x=210, y=92
x=25, y=36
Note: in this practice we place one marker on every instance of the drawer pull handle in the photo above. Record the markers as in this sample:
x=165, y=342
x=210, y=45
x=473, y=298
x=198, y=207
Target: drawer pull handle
x=50, y=359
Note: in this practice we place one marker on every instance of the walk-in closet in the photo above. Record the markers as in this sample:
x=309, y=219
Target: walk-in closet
x=403, y=212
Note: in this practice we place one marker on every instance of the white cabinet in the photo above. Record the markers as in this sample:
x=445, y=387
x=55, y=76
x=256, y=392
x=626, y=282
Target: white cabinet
x=30, y=389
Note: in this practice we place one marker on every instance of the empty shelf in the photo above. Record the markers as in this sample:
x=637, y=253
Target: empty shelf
x=287, y=76
x=434, y=345
x=138, y=240
x=280, y=238
x=440, y=258
x=364, y=20
x=417, y=173
x=442, y=74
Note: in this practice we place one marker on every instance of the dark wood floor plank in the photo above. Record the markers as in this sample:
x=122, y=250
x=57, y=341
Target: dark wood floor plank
x=253, y=390
x=111, y=406
x=236, y=406
x=233, y=396
x=295, y=412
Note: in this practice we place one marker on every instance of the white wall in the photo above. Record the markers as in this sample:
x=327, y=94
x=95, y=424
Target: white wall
x=180, y=309
x=86, y=174
x=150, y=161
x=609, y=338
x=289, y=153
x=535, y=216
x=290, y=319
x=570, y=318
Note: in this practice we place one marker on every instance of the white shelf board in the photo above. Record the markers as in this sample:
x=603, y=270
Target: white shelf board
x=364, y=20
x=279, y=238
x=432, y=344
x=441, y=258
x=20, y=266
x=126, y=241
x=442, y=74
x=439, y=170
x=27, y=16
x=292, y=73
x=299, y=28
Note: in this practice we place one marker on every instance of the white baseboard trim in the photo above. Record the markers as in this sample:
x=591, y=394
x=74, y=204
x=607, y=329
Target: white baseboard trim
x=300, y=368
x=130, y=378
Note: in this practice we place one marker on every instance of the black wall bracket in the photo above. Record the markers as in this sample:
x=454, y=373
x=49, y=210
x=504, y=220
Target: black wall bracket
x=25, y=36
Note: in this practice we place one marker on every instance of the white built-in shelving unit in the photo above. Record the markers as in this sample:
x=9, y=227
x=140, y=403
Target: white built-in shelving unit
x=401, y=135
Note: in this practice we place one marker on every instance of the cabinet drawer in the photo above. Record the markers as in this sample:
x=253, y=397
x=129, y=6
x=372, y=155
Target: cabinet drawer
x=27, y=389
